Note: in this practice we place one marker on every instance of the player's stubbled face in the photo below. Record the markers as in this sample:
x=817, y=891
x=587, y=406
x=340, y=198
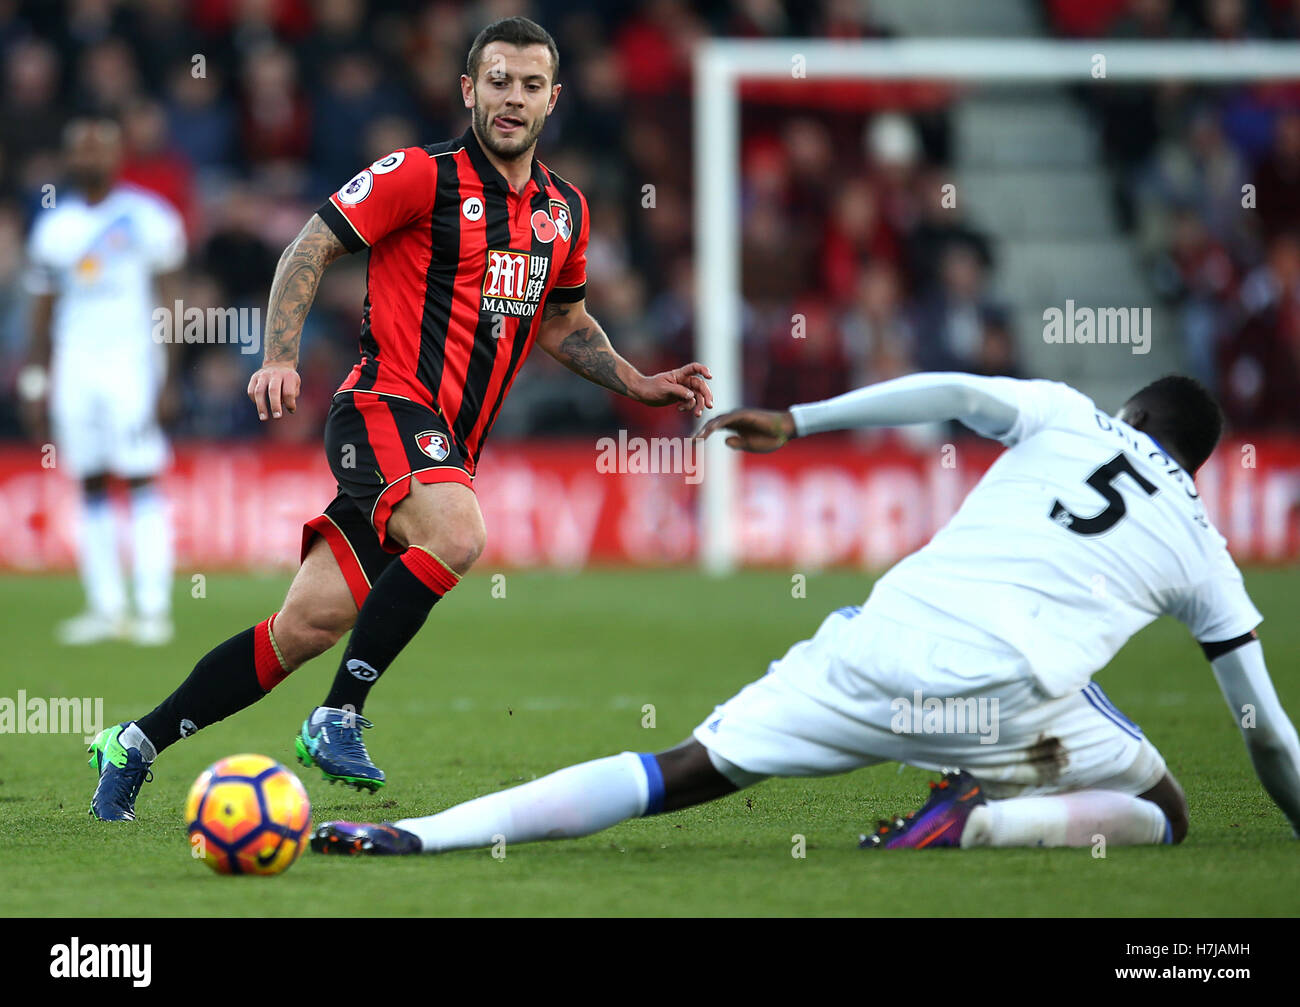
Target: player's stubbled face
x=512, y=98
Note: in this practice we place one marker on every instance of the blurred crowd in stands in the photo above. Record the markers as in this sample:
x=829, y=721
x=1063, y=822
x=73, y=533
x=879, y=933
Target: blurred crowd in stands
x=1209, y=179
x=246, y=114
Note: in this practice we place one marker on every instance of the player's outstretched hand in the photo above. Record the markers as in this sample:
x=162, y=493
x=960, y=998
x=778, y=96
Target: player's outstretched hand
x=757, y=430
x=275, y=388
x=686, y=386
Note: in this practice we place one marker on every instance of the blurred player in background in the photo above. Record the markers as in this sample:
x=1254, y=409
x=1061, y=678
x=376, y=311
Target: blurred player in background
x=1084, y=531
x=477, y=251
x=102, y=255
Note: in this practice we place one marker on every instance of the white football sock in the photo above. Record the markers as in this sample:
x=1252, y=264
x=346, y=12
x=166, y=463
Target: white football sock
x=133, y=737
x=572, y=802
x=151, y=546
x=1067, y=820
x=97, y=557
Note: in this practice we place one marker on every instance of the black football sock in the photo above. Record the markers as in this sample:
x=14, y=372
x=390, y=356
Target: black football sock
x=392, y=614
x=228, y=678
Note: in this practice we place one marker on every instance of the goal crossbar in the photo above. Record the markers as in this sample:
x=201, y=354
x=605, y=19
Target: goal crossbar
x=720, y=65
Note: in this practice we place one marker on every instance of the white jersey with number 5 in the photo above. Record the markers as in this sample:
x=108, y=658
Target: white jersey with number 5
x=1078, y=536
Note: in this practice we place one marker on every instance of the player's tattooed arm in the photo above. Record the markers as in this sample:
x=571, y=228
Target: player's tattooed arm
x=575, y=339
x=587, y=351
x=297, y=276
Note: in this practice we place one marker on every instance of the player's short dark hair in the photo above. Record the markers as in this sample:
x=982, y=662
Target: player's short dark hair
x=518, y=31
x=1182, y=410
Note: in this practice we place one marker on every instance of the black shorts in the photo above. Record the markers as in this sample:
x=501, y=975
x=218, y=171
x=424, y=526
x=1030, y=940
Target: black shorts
x=376, y=445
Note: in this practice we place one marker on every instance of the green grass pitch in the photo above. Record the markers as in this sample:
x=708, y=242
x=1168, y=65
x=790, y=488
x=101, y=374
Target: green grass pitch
x=496, y=691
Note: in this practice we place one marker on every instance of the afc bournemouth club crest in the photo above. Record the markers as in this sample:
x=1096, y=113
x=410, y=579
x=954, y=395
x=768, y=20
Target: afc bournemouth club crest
x=560, y=214
x=433, y=444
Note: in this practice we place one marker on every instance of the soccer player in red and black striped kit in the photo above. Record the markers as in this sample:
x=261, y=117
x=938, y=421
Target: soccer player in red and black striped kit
x=477, y=251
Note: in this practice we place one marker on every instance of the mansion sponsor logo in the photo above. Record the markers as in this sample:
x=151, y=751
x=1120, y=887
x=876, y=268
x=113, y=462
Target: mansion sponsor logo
x=75, y=960
x=240, y=327
x=950, y=715
x=650, y=456
x=1101, y=326
x=513, y=282
x=58, y=715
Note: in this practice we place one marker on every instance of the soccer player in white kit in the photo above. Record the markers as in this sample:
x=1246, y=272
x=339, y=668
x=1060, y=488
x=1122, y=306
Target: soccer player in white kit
x=972, y=656
x=101, y=257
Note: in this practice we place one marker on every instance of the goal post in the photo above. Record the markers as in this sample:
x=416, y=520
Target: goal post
x=720, y=65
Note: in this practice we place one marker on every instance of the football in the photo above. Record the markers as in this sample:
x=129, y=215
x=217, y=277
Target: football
x=247, y=814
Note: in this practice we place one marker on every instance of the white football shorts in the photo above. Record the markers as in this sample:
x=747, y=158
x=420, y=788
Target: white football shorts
x=105, y=422
x=866, y=690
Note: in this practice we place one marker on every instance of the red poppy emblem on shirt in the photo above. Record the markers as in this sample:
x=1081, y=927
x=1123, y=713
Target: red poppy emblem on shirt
x=543, y=226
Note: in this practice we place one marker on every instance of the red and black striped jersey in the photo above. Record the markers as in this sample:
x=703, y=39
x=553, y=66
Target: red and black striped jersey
x=460, y=265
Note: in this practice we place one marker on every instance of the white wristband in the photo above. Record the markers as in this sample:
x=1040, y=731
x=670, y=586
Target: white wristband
x=33, y=383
